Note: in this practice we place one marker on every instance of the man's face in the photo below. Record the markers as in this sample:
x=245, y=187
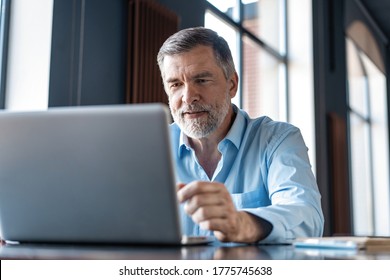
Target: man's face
x=199, y=94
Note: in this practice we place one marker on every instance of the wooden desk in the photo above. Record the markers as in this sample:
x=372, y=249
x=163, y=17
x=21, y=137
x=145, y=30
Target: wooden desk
x=215, y=251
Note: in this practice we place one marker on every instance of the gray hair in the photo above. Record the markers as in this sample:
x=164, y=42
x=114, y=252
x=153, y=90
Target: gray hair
x=187, y=39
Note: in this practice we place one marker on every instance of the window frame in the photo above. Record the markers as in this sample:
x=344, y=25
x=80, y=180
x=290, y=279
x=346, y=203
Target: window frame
x=243, y=32
x=5, y=10
x=374, y=48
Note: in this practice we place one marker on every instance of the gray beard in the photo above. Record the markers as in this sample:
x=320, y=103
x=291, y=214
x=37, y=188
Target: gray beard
x=200, y=128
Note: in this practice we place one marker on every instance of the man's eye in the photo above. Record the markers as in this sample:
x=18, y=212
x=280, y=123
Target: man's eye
x=201, y=81
x=175, y=85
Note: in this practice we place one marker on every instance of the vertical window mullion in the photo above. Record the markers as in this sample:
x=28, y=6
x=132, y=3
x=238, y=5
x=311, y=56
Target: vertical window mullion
x=240, y=65
x=284, y=51
x=4, y=31
x=369, y=144
x=368, y=120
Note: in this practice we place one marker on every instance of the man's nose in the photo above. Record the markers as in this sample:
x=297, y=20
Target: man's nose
x=190, y=94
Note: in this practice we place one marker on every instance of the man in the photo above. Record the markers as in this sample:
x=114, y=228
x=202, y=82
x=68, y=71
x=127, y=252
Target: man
x=241, y=179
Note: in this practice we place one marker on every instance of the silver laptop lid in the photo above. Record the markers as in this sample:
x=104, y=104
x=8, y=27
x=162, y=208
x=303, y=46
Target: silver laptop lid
x=88, y=174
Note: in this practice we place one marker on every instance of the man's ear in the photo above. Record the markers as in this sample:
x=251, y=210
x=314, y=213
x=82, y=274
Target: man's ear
x=233, y=85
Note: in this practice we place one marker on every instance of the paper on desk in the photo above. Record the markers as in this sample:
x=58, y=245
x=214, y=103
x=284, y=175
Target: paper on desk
x=345, y=242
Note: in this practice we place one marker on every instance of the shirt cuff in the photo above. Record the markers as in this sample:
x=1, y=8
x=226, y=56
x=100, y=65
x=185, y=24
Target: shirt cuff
x=278, y=234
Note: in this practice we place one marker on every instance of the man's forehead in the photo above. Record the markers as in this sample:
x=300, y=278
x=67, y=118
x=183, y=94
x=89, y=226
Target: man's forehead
x=192, y=75
x=190, y=62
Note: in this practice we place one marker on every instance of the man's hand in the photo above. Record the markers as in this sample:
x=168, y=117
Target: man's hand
x=210, y=205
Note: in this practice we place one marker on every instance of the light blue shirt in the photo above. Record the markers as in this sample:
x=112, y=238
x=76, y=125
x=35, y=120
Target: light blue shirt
x=266, y=169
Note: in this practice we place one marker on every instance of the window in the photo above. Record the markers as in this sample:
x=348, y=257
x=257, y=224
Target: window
x=256, y=34
x=273, y=58
x=28, y=59
x=368, y=144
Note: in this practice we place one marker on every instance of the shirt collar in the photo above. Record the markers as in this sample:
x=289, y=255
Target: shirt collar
x=237, y=130
x=234, y=135
x=183, y=143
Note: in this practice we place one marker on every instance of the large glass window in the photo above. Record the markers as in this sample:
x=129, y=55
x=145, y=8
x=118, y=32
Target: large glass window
x=369, y=144
x=256, y=33
x=271, y=41
x=29, y=50
x=263, y=92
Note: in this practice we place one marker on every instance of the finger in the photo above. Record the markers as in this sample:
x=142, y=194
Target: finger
x=208, y=213
x=222, y=236
x=224, y=230
x=203, y=200
x=180, y=186
x=198, y=187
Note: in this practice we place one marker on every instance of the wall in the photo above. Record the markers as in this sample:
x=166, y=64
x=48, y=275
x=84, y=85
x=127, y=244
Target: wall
x=191, y=12
x=88, y=60
x=330, y=99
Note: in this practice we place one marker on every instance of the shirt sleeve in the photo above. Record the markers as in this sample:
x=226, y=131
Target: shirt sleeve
x=295, y=209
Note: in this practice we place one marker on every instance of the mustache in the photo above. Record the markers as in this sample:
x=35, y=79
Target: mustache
x=193, y=109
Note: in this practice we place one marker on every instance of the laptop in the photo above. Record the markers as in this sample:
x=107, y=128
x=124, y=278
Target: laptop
x=93, y=174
